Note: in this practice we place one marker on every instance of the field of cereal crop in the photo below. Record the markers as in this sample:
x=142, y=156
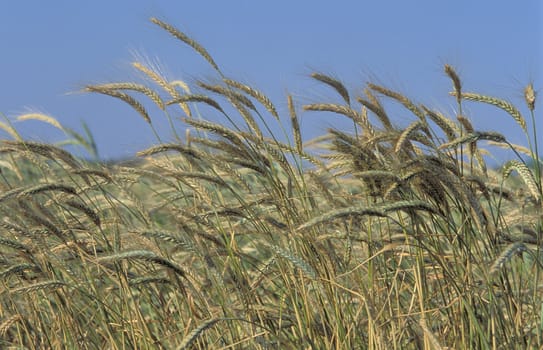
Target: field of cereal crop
x=229, y=236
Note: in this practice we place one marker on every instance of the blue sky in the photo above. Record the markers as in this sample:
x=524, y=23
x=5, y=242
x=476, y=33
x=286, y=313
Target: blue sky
x=50, y=50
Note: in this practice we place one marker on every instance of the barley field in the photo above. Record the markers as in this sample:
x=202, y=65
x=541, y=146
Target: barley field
x=230, y=236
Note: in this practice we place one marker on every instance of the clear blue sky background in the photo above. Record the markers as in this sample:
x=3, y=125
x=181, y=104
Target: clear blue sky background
x=52, y=49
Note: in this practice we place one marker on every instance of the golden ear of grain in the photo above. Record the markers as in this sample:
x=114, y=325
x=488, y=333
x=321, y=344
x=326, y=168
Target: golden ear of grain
x=123, y=97
x=295, y=125
x=41, y=117
x=249, y=119
x=449, y=70
x=400, y=98
x=502, y=104
x=526, y=175
x=449, y=128
x=530, y=96
x=165, y=147
x=466, y=123
x=259, y=96
x=134, y=87
x=518, y=148
x=45, y=150
x=217, y=129
x=94, y=172
x=11, y=131
x=229, y=94
x=168, y=87
x=7, y=323
x=468, y=138
x=335, y=84
x=184, y=38
x=404, y=136
x=196, y=98
x=46, y=187
x=181, y=84
x=378, y=111
x=91, y=214
x=492, y=136
x=335, y=108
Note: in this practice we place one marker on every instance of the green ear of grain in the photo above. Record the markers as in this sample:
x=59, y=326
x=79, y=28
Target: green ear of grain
x=144, y=255
x=45, y=188
x=13, y=244
x=408, y=205
x=171, y=238
x=191, y=337
x=16, y=269
x=296, y=261
x=47, y=285
x=506, y=255
x=341, y=213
